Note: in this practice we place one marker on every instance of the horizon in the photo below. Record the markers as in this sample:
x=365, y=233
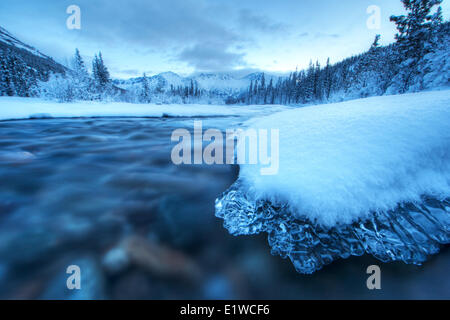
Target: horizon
x=188, y=38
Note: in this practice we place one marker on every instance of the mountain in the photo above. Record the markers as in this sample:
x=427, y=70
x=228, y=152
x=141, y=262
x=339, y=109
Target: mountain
x=22, y=66
x=218, y=83
x=28, y=53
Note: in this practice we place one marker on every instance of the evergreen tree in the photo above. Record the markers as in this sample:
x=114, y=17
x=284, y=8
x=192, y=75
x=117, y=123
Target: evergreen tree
x=317, y=82
x=414, y=40
x=416, y=27
x=5, y=75
x=250, y=93
x=376, y=42
x=79, y=67
x=145, y=95
x=270, y=92
x=100, y=73
x=263, y=89
x=191, y=89
x=328, y=80
x=82, y=84
x=103, y=70
x=96, y=71
x=309, y=83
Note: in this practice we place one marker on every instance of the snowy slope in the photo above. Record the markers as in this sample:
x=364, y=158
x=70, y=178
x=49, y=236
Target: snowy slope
x=9, y=39
x=38, y=63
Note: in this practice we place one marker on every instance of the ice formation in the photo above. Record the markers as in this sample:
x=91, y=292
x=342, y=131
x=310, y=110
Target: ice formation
x=369, y=175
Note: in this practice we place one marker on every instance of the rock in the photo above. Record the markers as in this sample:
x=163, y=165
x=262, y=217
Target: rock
x=115, y=260
x=160, y=260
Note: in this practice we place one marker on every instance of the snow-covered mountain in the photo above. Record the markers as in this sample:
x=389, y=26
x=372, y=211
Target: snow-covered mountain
x=221, y=83
x=23, y=66
x=163, y=81
x=8, y=39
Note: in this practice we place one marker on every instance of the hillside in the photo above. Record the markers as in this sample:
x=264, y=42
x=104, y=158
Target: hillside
x=21, y=66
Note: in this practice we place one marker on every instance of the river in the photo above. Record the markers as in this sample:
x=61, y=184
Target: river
x=103, y=194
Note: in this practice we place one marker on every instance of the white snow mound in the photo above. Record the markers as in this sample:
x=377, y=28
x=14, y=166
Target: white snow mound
x=339, y=162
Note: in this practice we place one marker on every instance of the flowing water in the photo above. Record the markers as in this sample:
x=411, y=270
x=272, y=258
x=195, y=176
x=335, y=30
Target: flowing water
x=104, y=195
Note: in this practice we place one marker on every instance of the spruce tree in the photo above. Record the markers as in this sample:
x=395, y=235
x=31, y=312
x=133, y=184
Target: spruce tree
x=415, y=29
x=104, y=73
x=96, y=71
x=145, y=95
x=4, y=75
x=328, y=80
x=78, y=66
x=100, y=73
x=376, y=42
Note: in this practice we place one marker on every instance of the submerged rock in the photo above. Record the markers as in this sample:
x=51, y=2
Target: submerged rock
x=410, y=233
x=16, y=156
x=160, y=260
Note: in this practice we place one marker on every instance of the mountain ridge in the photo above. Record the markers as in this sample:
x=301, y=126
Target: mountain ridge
x=211, y=81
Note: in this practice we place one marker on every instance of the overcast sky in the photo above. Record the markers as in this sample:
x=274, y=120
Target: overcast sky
x=187, y=36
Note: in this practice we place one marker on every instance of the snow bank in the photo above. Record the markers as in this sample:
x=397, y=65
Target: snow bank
x=339, y=162
x=24, y=108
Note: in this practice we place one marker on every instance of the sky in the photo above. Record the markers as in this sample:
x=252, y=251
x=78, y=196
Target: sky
x=191, y=36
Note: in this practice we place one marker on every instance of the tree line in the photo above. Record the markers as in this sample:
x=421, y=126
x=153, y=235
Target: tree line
x=418, y=60
x=406, y=65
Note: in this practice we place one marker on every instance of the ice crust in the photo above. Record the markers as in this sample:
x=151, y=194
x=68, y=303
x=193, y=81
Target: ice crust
x=409, y=233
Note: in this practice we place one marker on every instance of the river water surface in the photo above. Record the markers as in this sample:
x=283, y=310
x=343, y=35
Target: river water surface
x=104, y=195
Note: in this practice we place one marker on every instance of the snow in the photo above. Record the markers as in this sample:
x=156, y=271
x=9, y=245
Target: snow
x=220, y=83
x=12, y=108
x=341, y=162
x=9, y=39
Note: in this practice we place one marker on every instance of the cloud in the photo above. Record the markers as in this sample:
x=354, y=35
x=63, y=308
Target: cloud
x=319, y=35
x=326, y=35
x=153, y=24
x=248, y=20
x=196, y=32
x=211, y=57
x=164, y=35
